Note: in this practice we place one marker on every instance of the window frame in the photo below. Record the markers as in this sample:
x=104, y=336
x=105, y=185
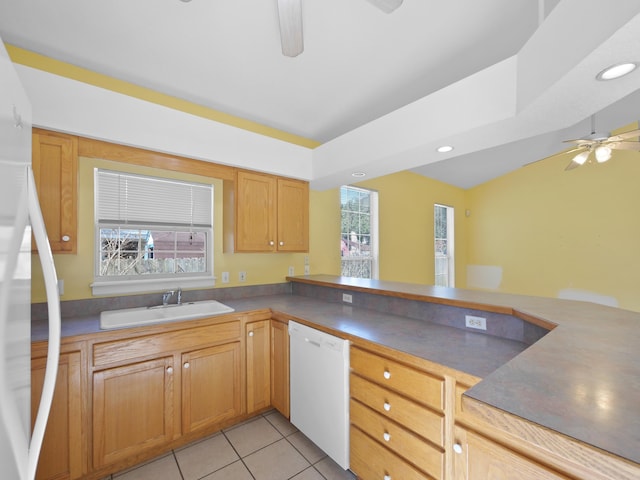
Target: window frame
x=116, y=284
x=450, y=223
x=373, y=231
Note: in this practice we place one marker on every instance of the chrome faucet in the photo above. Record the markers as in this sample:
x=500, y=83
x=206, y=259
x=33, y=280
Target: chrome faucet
x=166, y=296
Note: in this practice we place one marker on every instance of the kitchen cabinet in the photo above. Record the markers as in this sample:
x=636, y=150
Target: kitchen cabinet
x=55, y=169
x=258, y=343
x=150, y=390
x=397, y=419
x=271, y=214
x=63, y=455
x=280, y=366
x=478, y=458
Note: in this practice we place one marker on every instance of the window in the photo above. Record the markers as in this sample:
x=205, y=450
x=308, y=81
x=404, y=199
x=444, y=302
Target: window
x=359, y=232
x=443, y=246
x=151, y=233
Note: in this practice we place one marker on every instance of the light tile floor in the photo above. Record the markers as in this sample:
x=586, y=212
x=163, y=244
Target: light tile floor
x=266, y=447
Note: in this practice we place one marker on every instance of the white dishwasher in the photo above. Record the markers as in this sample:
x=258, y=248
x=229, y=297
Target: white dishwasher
x=319, y=377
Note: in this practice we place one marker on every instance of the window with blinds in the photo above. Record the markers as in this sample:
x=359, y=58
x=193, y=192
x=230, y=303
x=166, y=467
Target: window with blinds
x=152, y=228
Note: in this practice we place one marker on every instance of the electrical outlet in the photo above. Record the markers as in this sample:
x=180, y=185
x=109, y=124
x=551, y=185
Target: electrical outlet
x=291, y=271
x=347, y=298
x=307, y=270
x=225, y=277
x=306, y=259
x=475, y=322
x=242, y=276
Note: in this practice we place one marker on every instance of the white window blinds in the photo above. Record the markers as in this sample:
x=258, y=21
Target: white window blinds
x=124, y=198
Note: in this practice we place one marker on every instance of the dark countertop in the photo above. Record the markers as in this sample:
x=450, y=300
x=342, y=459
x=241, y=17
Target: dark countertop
x=582, y=379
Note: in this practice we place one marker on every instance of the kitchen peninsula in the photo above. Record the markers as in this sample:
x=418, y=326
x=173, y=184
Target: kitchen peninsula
x=554, y=387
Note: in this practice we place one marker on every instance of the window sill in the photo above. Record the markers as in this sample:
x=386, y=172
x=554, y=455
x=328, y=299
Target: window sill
x=146, y=286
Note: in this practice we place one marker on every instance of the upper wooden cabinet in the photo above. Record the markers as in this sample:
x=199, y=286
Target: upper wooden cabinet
x=55, y=168
x=269, y=214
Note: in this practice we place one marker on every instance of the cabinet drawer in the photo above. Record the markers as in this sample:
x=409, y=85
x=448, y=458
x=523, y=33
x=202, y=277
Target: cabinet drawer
x=421, y=420
x=371, y=461
x=418, y=385
x=119, y=351
x=406, y=444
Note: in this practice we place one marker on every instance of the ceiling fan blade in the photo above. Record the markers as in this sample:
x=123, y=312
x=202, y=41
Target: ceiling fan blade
x=625, y=135
x=290, y=14
x=554, y=155
x=625, y=145
x=579, y=141
x=387, y=6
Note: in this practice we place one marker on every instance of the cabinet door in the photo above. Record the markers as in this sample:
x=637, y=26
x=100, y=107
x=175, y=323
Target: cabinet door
x=210, y=386
x=293, y=216
x=255, y=212
x=55, y=164
x=280, y=367
x=132, y=409
x=61, y=456
x=258, y=365
x=478, y=458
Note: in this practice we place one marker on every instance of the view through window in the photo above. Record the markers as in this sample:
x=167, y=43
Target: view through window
x=359, y=232
x=443, y=246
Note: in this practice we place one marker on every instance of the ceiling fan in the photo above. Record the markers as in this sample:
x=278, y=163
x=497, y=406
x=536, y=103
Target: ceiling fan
x=290, y=15
x=601, y=145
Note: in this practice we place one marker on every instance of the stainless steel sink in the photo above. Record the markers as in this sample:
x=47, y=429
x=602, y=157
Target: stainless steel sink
x=134, y=317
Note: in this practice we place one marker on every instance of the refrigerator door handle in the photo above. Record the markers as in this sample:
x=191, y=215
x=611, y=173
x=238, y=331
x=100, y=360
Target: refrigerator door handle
x=53, y=301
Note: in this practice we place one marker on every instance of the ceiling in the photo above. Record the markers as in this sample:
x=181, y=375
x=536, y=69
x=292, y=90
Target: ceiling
x=363, y=71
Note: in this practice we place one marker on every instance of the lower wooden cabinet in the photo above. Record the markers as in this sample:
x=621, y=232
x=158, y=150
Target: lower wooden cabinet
x=258, y=341
x=63, y=456
x=133, y=408
x=210, y=386
x=280, y=366
x=478, y=458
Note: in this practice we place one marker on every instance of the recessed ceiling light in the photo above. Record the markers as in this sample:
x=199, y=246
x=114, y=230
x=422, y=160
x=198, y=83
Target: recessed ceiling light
x=358, y=174
x=444, y=148
x=617, y=71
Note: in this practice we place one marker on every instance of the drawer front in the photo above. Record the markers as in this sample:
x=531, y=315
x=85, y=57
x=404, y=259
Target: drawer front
x=418, y=385
x=423, y=455
x=119, y=351
x=371, y=461
x=421, y=420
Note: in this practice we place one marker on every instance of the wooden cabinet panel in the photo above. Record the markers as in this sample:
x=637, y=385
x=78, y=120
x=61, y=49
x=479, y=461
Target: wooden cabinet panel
x=371, y=461
x=258, y=365
x=280, y=367
x=210, y=386
x=271, y=214
x=62, y=450
x=421, y=420
x=293, y=216
x=481, y=458
x=402, y=441
x=55, y=169
x=133, y=409
x=418, y=385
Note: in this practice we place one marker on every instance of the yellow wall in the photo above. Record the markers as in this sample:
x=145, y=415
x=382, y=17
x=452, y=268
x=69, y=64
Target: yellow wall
x=77, y=270
x=551, y=230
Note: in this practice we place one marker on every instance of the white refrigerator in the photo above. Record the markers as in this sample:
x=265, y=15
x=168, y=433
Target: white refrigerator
x=20, y=216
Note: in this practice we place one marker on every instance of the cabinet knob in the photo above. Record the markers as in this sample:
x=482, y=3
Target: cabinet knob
x=387, y=374
x=66, y=238
x=169, y=369
x=386, y=436
x=251, y=334
x=186, y=365
x=386, y=406
x=272, y=243
x=281, y=244
x=457, y=448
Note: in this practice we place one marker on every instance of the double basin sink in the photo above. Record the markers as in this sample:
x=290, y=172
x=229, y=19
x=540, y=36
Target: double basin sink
x=134, y=317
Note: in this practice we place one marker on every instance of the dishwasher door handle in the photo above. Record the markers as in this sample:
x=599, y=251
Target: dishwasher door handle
x=317, y=344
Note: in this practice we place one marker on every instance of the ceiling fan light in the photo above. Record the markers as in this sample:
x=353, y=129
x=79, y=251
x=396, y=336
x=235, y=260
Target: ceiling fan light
x=603, y=153
x=617, y=71
x=581, y=157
